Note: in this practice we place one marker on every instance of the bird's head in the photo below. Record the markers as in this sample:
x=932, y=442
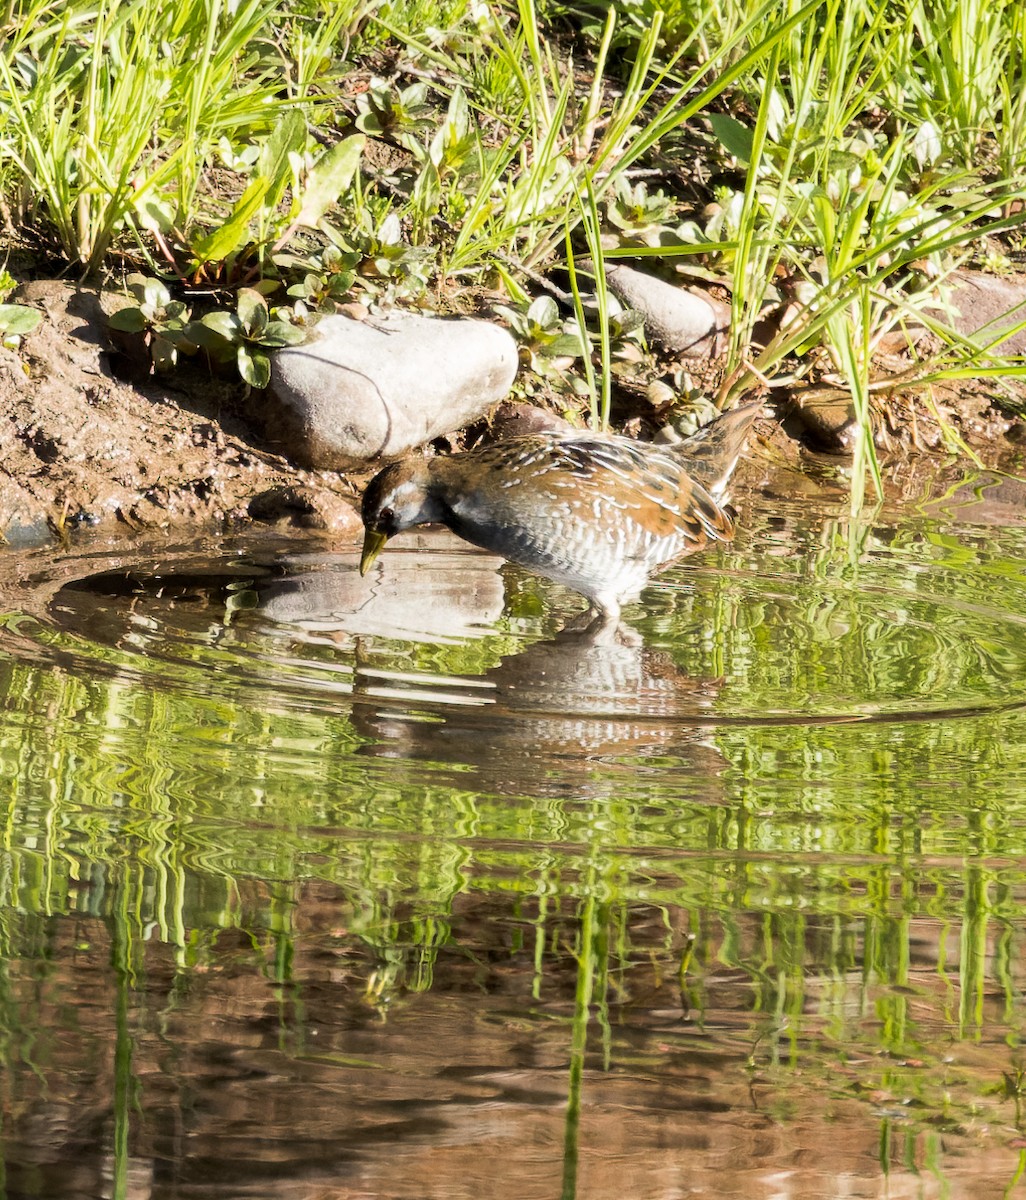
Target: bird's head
x=396, y=498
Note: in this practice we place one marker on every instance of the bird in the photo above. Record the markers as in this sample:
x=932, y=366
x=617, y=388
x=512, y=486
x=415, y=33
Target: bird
x=597, y=512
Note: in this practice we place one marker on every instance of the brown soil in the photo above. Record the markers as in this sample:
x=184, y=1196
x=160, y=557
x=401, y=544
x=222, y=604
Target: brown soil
x=80, y=446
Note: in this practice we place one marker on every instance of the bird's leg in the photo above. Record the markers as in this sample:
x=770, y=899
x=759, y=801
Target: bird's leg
x=600, y=625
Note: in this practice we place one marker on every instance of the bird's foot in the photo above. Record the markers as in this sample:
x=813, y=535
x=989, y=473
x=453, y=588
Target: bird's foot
x=602, y=627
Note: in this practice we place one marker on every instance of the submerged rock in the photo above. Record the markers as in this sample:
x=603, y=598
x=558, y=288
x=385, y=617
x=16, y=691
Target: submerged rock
x=305, y=506
x=375, y=388
x=679, y=320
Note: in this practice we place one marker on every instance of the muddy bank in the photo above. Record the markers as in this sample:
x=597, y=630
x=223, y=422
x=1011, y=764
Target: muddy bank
x=81, y=445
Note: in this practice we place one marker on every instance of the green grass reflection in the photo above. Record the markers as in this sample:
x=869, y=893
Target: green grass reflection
x=808, y=913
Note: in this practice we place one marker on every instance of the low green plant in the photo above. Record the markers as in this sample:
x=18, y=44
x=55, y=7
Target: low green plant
x=964, y=73
x=566, y=138
x=451, y=166
x=601, y=329
x=260, y=225
x=549, y=344
x=246, y=336
x=162, y=323
x=327, y=279
x=638, y=217
x=399, y=115
x=389, y=266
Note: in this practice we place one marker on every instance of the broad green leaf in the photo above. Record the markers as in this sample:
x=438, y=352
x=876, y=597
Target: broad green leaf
x=155, y=294
x=390, y=231
x=629, y=320
x=216, y=246
x=287, y=138
x=128, y=320
x=18, y=319
x=926, y=145
x=370, y=123
x=329, y=177
x=543, y=312
x=214, y=330
x=281, y=333
x=251, y=309
x=154, y=213
x=734, y=137
x=825, y=217
x=137, y=285
x=180, y=336
x=567, y=344
x=254, y=367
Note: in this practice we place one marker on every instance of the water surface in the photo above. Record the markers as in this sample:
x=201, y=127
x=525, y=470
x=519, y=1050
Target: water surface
x=321, y=886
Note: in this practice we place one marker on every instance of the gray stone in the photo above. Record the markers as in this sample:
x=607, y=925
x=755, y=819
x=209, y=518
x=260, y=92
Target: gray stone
x=515, y=419
x=680, y=320
x=824, y=419
x=998, y=302
x=360, y=390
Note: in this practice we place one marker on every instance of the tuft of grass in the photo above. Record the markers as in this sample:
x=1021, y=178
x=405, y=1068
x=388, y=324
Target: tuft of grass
x=113, y=110
x=868, y=217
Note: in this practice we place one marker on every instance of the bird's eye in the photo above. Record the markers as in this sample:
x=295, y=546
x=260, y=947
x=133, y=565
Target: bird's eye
x=386, y=516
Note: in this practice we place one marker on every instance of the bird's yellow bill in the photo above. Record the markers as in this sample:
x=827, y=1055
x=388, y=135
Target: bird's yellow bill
x=373, y=544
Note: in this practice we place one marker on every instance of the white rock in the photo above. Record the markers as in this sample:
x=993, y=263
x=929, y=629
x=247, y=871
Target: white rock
x=360, y=390
x=681, y=321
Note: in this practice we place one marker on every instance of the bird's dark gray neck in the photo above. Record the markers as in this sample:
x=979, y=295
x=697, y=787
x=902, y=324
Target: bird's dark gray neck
x=433, y=511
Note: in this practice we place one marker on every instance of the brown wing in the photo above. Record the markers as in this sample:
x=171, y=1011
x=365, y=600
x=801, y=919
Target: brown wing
x=599, y=478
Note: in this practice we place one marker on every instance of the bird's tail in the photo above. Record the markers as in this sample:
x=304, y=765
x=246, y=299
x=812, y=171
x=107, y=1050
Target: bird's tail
x=712, y=453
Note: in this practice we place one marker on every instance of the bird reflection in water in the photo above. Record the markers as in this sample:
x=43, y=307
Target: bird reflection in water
x=552, y=709
x=539, y=720
x=549, y=709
